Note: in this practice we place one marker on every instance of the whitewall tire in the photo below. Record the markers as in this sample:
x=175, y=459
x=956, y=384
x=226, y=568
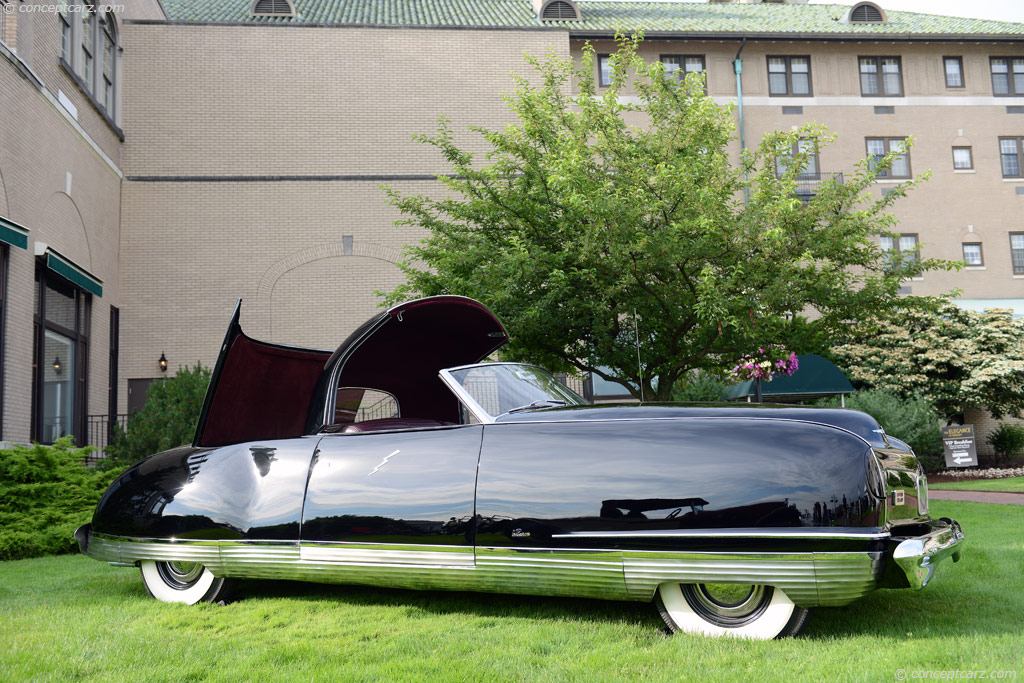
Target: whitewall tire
x=187, y=582
x=739, y=611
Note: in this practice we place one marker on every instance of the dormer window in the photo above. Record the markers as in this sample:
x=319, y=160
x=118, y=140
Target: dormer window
x=866, y=13
x=559, y=10
x=273, y=8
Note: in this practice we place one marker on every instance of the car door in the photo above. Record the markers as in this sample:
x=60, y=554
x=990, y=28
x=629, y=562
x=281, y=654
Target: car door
x=396, y=497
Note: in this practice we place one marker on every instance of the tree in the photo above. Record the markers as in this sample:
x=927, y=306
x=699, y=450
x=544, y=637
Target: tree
x=167, y=420
x=954, y=358
x=592, y=238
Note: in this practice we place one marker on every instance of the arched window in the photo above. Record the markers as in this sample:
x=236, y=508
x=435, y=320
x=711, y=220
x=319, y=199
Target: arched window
x=866, y=13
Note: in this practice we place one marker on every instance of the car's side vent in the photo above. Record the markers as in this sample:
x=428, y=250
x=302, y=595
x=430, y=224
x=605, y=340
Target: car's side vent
x=273, y=8
x=866, y=13
x=559, y=10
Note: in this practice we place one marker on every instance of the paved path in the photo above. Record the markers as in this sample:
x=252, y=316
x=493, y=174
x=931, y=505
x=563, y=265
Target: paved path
x=1005, y=498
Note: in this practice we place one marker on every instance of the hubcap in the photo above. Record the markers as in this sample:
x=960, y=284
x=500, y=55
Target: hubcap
x=727, y=605
x=179, y=575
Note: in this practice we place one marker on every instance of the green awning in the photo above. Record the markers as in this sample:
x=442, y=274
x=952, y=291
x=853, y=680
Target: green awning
x=69, y=270
x=815, y=378
x=13, y=234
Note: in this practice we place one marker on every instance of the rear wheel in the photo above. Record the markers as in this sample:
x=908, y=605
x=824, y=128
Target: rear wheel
x=723, y=609
x=187, y=582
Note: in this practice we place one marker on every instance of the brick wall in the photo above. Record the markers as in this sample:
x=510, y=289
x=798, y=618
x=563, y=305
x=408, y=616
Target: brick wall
x=38, y=149
x=266, y=102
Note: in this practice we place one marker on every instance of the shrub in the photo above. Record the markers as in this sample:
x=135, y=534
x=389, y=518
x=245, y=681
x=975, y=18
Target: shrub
x=46, y=492
x=168, y=419
x=913, y=420
x=1008, y=443
x=700, y=387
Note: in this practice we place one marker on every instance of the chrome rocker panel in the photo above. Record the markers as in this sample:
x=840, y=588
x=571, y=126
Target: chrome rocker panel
x=808, y=578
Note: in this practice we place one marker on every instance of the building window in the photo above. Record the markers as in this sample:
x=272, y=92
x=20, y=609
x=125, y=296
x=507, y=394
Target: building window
x=810, y=170
x=604, y=70
x=972, y=254
x=88, y=53
x=98, y=62
x=954, y=72
x=681, y=65
x=1017, y=252
x=60, y=358
x=65, y=33
x=1007, y=76
x=962, y=158
x=1011, y=155
x=880, y=77
x=789, y=76
x=901, y=250
x=107, y=32
x=879, y=147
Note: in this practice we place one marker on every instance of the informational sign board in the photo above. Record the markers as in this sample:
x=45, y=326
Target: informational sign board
x=958, y=443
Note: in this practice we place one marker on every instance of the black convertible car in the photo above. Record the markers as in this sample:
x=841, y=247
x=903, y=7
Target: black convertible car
x=402, y=460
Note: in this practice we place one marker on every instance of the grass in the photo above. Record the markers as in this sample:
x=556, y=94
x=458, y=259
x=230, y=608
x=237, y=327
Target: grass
x=1006, y=484
x=71, y=617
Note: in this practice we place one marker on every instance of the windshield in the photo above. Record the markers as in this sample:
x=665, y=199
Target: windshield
x=499, y=388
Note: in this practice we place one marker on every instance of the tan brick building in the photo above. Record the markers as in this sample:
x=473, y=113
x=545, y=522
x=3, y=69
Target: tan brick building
x=166, y=159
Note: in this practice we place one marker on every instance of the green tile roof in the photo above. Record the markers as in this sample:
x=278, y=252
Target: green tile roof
x=598, y=16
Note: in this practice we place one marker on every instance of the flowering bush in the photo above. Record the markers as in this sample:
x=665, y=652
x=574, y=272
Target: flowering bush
x=957, y=359
x=767, y=362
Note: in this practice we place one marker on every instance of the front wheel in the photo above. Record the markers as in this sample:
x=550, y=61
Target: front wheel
x=187, y=582
x=722, y=609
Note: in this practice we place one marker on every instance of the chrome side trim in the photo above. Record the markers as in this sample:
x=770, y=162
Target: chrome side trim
x=867, y=533
x=536, y=571
x=461, y=556
x=844, y=577
x=792, y=572
x=807, y=578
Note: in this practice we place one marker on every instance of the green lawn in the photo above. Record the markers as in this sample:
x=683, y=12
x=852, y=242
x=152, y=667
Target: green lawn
x=1006, y=484
x=72, y=617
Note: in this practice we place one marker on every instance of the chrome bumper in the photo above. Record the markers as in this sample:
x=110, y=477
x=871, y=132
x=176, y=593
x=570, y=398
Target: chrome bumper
x=918, y=555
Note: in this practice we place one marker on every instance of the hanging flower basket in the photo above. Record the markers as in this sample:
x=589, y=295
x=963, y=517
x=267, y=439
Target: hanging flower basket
x=765, y=363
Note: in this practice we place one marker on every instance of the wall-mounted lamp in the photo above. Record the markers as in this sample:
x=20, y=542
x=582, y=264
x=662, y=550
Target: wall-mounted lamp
x=57, y=367
x=163, y=362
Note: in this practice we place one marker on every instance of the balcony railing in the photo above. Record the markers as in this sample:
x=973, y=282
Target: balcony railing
x=98, y=432
x=807, y=184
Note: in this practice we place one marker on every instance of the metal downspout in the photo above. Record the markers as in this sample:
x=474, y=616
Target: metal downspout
x=737, y=65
